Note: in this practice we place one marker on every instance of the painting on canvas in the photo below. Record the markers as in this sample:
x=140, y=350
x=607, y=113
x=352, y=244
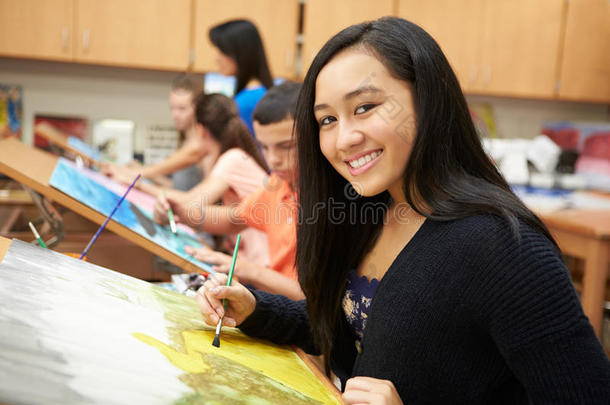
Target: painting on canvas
x=73, y=332
x=77, y=184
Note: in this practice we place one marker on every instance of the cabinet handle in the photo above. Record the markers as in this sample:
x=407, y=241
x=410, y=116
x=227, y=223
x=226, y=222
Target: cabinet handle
x=86, y=38
x=64, y=38
x=486, y=74
x=474, y=73
x=289, y=58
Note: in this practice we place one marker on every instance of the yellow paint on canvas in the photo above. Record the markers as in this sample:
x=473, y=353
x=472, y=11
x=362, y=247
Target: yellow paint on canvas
x=276, y=362
x=191, y=361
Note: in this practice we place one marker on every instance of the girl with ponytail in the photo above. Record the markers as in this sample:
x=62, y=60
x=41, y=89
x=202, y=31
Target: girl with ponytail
x=233, y=167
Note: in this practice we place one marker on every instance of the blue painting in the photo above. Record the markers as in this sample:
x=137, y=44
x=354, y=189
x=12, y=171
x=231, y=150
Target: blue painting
x=85, y=148
x=75, y=183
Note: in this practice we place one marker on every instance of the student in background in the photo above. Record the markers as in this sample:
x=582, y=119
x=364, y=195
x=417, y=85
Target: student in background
x=240, y=53
x=185, y=165
x=427, y=280
x=234, y=165
x=271, y=209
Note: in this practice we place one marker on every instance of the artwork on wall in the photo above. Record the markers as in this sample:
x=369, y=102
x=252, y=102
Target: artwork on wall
x=68, y=126
x=11, y=110
x=73, y=332
x=80, y=185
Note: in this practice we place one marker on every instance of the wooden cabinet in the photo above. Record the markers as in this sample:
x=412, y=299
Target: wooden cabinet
x=553, y=49
x=521, y=44
x=277, y=22
x=497, y=47
x=457, y=27
x=36, y=28
x=585, y=62
x=138, y=33
x=322, y=19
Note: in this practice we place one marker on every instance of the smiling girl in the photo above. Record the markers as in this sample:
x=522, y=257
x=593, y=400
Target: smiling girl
x=457, y=292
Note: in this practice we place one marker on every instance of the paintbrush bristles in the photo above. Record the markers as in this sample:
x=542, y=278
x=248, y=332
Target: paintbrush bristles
x=216, y=341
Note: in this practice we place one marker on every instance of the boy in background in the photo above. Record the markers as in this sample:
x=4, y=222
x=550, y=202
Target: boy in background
x=272, y=209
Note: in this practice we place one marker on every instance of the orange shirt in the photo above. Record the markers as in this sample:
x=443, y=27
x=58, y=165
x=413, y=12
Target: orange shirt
x=273, y=210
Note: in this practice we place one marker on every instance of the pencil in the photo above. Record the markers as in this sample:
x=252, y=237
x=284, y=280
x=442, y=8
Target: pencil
x=92, y=241
x=216, y=341
x=36, y=235
x=170, y=216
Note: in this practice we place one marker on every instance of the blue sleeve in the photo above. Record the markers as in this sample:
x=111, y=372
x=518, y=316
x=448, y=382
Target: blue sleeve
x=246, y=101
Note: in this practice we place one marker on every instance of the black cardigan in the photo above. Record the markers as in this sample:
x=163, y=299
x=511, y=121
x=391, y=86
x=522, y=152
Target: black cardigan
x=467, y=313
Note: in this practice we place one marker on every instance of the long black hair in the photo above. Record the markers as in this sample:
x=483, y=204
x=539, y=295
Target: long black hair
x=218, y=114
x=448, y=175
x=240, y=40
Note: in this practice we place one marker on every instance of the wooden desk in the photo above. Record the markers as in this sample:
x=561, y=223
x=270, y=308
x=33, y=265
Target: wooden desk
x=15, y=197
x=34, y=168
x=585, y=234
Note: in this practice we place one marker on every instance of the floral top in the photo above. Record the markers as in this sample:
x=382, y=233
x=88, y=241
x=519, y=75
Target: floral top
x=357, y=299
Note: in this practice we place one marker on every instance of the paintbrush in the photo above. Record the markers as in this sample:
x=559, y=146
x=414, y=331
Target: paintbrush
x=170, y=216
x=216, y=341
x=92, y=241
x=36, y=235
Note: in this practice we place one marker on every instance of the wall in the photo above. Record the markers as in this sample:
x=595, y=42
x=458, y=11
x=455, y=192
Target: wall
x=93, y=92
x=518, y=118
x=99, y=92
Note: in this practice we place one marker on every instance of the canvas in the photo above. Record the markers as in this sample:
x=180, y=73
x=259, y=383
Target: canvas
x=84, y=148
x=77, y=184
x=72, y=332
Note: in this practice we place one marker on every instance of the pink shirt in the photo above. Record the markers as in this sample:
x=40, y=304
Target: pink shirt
x=244, y=177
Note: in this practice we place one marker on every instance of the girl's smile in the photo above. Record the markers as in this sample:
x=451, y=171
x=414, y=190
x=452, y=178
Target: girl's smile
x=362, y=162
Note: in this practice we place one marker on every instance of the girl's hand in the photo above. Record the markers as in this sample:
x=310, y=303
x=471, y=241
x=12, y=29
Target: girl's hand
x=221, y=262
x=367, y=390
x=241, y=302
x=160, y=210
x=162, y=205
x=122, y=174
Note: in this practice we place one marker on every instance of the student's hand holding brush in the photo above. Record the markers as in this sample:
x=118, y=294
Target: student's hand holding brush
x=241, y=302
x=163, y=205
x=247, y=271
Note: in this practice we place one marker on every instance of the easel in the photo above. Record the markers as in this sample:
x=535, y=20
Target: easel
x=33, y=169
x=59, y=141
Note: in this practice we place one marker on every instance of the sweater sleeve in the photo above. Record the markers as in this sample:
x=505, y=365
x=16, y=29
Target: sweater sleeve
x=523, y=296
x=280, y=320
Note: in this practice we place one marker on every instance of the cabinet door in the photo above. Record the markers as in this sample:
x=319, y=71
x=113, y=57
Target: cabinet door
x=521, y=47
x=277, y=22
x=151, y=34
x=323, y=19
x=585, y=64
x=457, y=26
x=36, y=28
